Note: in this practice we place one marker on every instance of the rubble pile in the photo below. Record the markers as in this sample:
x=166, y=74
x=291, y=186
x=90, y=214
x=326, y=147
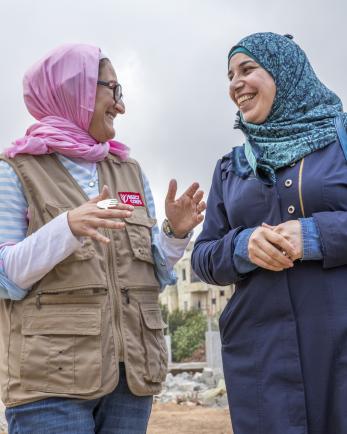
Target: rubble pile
x=206, y=388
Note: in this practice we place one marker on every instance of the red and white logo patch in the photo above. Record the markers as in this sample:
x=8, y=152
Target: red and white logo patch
x=131, y=198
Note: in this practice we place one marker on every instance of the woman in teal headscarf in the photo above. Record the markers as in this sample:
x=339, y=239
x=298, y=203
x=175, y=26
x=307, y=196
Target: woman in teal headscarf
x=276, y=226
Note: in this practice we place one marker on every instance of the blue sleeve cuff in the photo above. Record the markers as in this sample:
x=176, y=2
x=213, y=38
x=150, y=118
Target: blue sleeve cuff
x=311, y=243
x=9, y=290
x=165, y=274
x=241, y=260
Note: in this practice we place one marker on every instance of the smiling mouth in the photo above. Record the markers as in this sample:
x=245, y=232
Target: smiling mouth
x=244, y=98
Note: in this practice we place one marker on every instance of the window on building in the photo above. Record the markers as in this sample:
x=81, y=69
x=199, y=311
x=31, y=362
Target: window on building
x=213, y=300
x=222, y=293
x=199, y=305
x=193, y=277
x=184, y=276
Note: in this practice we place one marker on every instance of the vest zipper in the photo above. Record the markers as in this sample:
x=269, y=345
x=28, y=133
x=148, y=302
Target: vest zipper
x=117, y=302
x=115, y=296
x=39, y=294
x=125, y=291
x=38, y=300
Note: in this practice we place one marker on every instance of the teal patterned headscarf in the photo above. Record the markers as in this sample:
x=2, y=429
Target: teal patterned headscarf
x=302, y=116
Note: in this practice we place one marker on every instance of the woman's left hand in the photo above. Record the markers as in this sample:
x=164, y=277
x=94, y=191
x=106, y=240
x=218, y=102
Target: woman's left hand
x=184, y=213
x=291, y=231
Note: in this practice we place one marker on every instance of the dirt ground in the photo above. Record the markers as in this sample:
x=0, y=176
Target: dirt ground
x=182, y=419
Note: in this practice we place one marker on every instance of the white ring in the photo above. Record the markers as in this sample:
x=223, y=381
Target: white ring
x=107, y=203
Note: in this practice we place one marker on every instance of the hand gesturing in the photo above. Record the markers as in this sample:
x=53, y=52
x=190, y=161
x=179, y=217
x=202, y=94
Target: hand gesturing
x=184, y=213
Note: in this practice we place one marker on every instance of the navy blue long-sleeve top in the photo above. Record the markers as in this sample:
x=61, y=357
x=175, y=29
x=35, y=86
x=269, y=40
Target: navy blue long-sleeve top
x=284, y=334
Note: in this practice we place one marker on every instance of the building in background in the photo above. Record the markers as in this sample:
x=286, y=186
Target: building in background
x=191, y=293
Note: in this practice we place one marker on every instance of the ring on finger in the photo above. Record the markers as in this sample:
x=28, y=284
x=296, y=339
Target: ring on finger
x=107, y=203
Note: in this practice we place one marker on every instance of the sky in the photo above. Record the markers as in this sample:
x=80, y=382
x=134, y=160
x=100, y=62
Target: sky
x=170, y=57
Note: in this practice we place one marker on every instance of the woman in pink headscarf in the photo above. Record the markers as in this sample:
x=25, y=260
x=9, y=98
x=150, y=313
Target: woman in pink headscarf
x=82, y=260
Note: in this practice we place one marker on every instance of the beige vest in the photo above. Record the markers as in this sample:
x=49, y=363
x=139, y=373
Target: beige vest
x=95, y=308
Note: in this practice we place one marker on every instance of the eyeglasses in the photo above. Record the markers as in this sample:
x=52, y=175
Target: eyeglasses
x=115, y=87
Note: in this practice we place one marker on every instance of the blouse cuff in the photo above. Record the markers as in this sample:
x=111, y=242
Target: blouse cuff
x=242, y=262
x=311, y=243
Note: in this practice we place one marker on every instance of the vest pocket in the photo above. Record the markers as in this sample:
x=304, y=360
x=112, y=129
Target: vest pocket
x=154, y=343
x=86, y=251
x=61, y=349
x=139, y=232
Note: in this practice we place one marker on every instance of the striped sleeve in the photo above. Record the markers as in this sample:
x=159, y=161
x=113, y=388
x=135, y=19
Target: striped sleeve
x=13, y=224
x=13, y=206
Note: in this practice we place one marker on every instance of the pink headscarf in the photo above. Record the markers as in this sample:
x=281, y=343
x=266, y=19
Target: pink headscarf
x=59, y=91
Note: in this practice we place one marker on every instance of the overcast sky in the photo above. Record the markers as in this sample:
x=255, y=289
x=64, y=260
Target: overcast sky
x=170, y=57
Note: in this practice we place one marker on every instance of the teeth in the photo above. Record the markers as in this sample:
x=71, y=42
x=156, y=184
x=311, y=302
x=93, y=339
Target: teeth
x=244, y=98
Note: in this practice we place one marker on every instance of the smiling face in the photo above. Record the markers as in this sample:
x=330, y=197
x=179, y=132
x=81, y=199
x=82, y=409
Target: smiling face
x=101, y=126
x=252, y=88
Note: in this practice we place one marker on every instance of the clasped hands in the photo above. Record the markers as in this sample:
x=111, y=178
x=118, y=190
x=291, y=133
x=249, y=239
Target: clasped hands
x=276, y=247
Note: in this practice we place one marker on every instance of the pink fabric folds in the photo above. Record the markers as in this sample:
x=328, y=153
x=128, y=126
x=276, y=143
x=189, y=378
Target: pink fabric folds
x=59, y=91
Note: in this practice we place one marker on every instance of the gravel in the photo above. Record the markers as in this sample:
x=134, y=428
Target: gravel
x=206, y=388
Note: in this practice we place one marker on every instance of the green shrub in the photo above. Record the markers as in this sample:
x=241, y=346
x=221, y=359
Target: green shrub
x=189, y=335
x=175, y=319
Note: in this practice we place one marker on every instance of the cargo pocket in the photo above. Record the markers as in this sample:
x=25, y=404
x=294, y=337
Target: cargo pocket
x=86, y=251
x=154, y=343
x=61, y=349
x=138, y=228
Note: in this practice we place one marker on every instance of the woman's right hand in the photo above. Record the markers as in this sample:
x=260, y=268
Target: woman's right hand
x=85, y=220
x=270, y=250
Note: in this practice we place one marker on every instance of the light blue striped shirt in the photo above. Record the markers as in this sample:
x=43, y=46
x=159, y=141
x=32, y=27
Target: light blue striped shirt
x=14, y=223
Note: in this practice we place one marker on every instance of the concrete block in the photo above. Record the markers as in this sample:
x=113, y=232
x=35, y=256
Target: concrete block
x=214, y=351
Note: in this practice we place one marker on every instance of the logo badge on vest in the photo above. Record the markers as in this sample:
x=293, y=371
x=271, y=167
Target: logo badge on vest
x=131, y=198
